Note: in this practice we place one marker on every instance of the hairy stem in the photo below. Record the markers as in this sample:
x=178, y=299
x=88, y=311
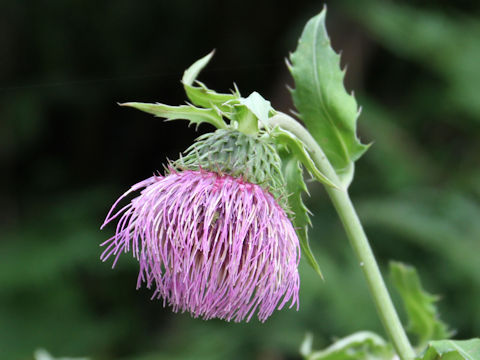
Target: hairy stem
x=357, y=237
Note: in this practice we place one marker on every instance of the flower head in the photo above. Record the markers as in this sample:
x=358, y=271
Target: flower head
x=209, y=243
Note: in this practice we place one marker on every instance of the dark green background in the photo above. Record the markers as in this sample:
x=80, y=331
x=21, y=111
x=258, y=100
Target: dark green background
x=67, y=151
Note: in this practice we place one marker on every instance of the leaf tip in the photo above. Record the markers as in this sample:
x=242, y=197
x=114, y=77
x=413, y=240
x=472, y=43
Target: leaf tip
x=288, y=63
x=306, y=346
x=190, y=75
x=135, y=105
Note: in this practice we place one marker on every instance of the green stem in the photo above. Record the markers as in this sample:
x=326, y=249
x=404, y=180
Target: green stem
x=357, y=237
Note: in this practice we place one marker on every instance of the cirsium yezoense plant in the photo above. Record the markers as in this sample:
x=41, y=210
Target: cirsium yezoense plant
x=218, y=235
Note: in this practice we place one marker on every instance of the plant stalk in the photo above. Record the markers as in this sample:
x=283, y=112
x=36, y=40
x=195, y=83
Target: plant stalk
x=357, y=237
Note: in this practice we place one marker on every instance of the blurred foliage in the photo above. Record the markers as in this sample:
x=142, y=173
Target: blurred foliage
x=453, y=350
x=423, y=319
x=67, y=151
x=362, y=345
x=42, y=354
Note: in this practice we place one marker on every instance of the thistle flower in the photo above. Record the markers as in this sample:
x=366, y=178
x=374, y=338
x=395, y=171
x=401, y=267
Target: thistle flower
x=210, y=244
x=212, y=236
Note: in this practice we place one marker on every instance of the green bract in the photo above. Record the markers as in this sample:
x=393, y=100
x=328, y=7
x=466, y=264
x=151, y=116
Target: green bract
x=202, y=96
x=297, y=147
x=184, y=112
x=253, y=158
x=328, y=111
x=292, y=170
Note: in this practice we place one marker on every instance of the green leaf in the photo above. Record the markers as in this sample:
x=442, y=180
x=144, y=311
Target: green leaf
x=452, y=350
x=246, y=120
x=363, y=345
x=191, y=74
x=183, y=112
x=328, y=111
x=201, y=95
x=423, y=316
x=258, y=106
x=296, y=146
x=292, y=170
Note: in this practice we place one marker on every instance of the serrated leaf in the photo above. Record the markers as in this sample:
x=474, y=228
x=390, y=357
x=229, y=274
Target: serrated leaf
x=201, y=95
x=183, y=112
x=363, y=345
x=420, y=306
x=292, y=170
x=191, y=74
x=452, y=350
x=296, y=146
x=328, y=111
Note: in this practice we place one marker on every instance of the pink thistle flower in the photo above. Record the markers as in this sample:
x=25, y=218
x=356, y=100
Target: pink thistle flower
x=210, y=244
